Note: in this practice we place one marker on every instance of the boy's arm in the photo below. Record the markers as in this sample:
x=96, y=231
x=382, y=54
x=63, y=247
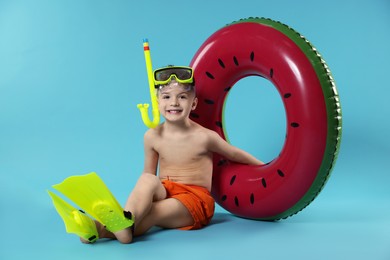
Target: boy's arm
x=151, y=156
x=230, y=152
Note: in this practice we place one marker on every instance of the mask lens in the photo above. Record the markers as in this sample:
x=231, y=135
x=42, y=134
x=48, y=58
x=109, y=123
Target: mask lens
x=180, y=73
x=162, y=75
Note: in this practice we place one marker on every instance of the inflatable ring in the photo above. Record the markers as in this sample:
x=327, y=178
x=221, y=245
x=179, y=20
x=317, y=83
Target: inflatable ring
x=270, y=49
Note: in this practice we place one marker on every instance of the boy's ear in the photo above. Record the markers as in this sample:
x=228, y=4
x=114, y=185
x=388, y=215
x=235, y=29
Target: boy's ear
x=194, y=103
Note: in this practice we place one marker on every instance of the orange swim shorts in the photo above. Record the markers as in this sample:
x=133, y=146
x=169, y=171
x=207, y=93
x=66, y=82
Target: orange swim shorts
x=196, y=199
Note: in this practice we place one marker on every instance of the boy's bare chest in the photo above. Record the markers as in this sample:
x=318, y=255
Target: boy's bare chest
x=180, y=148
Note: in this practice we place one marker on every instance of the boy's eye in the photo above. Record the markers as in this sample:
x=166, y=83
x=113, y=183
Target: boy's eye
x=183, y=97
x=165, y=97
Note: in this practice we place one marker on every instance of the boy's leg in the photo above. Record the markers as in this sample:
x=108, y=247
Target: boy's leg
x=147, y=190
x=166, y=213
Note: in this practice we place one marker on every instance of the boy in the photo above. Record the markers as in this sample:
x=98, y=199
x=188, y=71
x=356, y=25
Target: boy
x=179, y=195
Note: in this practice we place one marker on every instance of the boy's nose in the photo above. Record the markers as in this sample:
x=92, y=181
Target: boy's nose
x=175, y=102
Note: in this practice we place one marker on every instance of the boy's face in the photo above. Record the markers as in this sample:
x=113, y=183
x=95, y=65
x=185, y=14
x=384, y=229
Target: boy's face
x=176, y=101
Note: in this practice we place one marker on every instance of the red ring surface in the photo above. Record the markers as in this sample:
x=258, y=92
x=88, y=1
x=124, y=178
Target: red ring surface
x=245, y=49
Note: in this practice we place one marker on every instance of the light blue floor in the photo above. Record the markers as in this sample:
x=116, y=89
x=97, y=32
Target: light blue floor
x=72, y=72
x=328, y=229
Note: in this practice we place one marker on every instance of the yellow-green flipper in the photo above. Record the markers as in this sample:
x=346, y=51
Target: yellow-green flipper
x=91, y=194
x=75, y=221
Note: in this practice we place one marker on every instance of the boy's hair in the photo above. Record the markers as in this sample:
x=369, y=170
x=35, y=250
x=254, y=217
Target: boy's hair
x=190, y=87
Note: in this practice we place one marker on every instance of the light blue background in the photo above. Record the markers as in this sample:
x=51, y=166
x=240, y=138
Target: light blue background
x=72, y=72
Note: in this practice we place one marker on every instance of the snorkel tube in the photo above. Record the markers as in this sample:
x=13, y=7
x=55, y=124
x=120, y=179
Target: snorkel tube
x=144, y=107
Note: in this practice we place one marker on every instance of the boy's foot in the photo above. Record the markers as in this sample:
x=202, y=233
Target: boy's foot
x=125, y=236
x=102, y=231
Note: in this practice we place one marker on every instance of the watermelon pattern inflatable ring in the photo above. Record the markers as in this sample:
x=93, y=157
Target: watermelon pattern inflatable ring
x=270, y=49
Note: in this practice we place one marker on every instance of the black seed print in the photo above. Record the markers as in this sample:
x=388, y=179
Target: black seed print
x=236, y=201
x=224, y=197
x=235, y=60
x=232, y=180
x=209, y=101
x=227, y=89
x=264, y=183
x=280, y=173
x=252, y=56
x=271, y=73
x=222, y=162
x=209, y=75
x=294, y=124
x=194, y=115
x=287, y=95
x=82, y=211
x=219, y=124
x=252, y=198
x=221, y=63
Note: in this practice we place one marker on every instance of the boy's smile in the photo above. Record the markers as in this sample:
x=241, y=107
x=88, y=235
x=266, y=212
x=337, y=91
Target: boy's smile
x=174, y=111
